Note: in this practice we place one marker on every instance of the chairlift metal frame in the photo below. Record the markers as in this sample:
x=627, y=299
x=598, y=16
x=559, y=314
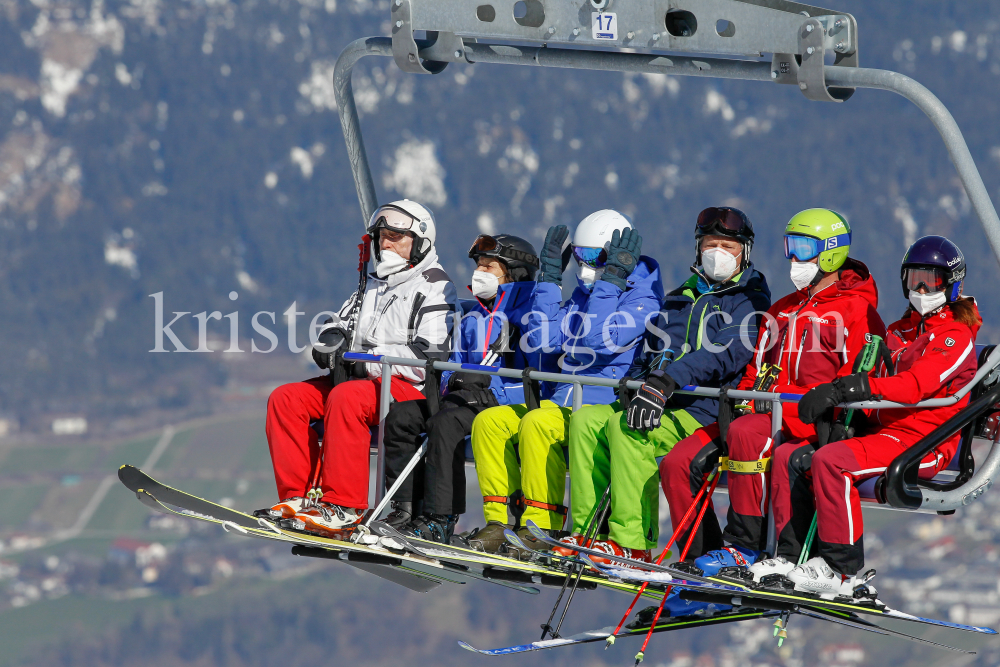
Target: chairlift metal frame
x=723, y=35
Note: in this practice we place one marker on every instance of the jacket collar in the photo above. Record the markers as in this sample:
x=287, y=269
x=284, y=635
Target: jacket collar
x=401, y=277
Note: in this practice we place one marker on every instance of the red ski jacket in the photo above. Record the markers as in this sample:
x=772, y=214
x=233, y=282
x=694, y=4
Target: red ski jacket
x=934, y=358
x=815, y=339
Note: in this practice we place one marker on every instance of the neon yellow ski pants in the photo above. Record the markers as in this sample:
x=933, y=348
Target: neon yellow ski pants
x=603, y=448
x=498, y=435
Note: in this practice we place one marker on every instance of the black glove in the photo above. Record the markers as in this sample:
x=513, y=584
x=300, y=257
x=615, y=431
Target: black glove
x=329, y=344
x=468, y=381
x=623, y=254
x=553, y=258
x=646, y=408
x=821, y=398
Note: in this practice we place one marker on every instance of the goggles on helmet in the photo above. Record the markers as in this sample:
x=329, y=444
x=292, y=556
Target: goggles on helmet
x=722, y=219
x=487, y=246
x=595, y=257
x=390, y=217
x=932, y=280
x=804, y=248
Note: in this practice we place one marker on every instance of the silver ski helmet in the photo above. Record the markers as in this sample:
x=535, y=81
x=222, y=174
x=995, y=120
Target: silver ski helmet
x=407, y=216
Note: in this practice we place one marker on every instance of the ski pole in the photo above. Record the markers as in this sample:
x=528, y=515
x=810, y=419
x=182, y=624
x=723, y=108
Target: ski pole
x=659, y=610
x=579, y=575
x=411, y=464
x=666, y=551
x=547, y=626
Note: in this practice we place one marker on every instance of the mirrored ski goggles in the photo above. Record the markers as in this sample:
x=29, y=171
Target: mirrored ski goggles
x=804, y=248
x=932, y=280
x=729, y=219
x=595, y=257
x=390, y=217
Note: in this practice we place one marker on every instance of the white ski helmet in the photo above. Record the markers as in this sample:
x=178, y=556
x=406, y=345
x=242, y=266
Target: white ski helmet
x=596, y=229
x=405, y=216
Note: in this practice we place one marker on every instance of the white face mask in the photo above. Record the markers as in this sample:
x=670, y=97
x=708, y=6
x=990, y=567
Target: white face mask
x=588, y=275
x=802, y=273
x=927, y=303
x=718, y=264
x=485, y=285
x=389, y=264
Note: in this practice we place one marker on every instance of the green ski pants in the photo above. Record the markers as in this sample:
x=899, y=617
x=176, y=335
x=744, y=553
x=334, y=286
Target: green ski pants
x=539, y=437
x=603, y=448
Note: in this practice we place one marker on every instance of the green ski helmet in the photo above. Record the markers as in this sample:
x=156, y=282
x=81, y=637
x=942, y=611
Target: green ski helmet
x=822, y=232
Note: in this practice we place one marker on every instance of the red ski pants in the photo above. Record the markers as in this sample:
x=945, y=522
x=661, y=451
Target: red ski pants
x=833, y=471
x=682, y=472
x=348, y=411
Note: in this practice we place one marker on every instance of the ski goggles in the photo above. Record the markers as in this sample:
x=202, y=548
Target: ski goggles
x=804, y=248
x=723, y=218
x=487, y=246
x=595, y=257
x=932, y=280
x=390, y=217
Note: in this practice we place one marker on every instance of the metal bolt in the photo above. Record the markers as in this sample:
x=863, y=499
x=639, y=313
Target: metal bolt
x=774, y=75
x=803, y=86
x=552, y=30
x=576, y=31
x=839, y=23
x=810, y=50
x=458, y=54
x=399, y=3
x=841, y=47
x=399, y=24
x=412, y=57
x=630, y=34
x=809, y=27
x=656, y=36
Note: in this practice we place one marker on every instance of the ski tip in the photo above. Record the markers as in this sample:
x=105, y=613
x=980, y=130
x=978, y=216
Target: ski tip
x=468, y=647
x=512, y=538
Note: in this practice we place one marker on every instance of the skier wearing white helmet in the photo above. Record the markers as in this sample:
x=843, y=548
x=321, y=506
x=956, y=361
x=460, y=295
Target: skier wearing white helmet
x=405, y=311
x=592, y=334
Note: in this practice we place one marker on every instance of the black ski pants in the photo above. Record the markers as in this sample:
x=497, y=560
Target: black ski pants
x=439, y=479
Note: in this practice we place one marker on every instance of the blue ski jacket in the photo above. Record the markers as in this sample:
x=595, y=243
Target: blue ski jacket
x=711, y=332
x=481, y=326
x=596, y=331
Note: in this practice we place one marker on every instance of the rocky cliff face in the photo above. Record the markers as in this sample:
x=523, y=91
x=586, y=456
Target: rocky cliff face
x=193, y=149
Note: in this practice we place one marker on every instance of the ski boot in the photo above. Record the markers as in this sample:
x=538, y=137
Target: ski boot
x=733, y=556
x=574, y=540
x=286, y=509
x=433, y=528
x=489, y=538
x=326, y=519
x=778, y=566
x=400, y=516
x=816, y=576
x=611, y=547
x=530, y=541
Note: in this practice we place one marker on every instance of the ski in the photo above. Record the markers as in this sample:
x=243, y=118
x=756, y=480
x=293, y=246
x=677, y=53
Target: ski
x=678, y=578
x=858, y=623
x=664, y=625
x=518, y=543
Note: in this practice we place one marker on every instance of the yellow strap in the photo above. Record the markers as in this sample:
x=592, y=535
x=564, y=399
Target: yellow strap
x=747, y=467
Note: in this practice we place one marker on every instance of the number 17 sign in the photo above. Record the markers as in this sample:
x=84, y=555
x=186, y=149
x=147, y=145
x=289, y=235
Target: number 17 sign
x=604, y=25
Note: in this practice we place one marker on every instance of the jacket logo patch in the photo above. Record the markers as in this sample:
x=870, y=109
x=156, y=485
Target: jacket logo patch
x=868, y=338
x=949, y=342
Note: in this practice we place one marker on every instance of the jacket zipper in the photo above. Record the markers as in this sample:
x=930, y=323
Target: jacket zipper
x=375, y=321
x=798, y=360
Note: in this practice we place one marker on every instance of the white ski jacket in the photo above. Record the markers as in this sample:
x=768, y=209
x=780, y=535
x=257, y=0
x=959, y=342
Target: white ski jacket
x=408, y=314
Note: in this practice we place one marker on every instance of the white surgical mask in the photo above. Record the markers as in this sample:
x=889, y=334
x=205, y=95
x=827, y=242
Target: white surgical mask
x=485, y=285
x=718, y=264
x=802, y=273
x=389, y=264
x=588, y=275
x=927, y=303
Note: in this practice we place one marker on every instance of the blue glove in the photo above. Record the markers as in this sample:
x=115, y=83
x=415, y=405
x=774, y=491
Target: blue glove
x=553, y=257
x=623, y=254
